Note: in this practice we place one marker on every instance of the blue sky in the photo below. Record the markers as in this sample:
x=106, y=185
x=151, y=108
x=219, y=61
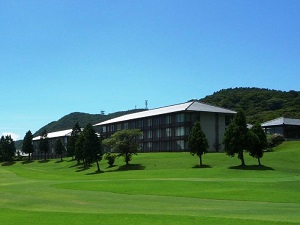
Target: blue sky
x=63, y=56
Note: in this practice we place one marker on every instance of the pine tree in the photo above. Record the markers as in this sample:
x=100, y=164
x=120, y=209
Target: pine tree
x=235, y=137
x=72, y=140
x=44, y=145
x=27, y=146
x=197, y=141
x=258, y=144
x=7, y=148
x=59, y=148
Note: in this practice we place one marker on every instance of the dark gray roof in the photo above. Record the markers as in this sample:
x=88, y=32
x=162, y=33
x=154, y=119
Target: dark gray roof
x=188, y=106
x=281, y=121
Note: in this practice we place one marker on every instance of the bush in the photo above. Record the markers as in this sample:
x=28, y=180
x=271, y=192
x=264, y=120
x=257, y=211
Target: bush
x=275, y=140
x=110, y=158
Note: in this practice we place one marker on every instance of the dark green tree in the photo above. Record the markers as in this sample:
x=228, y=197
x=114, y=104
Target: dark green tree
x=60, y=148
x=27, y=146
x=79, y=149
x=253, y=145
x=257, y=146
x=197, y=142
x=235, y=137
x=7, y=148
x=44, y=144
x=72, y=140
x=125, y=143
x=92, y=146
x=2, y=139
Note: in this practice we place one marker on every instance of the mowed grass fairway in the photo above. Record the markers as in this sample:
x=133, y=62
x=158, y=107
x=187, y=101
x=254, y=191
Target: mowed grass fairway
x=158, y=188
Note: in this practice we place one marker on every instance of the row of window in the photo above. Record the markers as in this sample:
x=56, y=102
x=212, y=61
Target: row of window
x=166, y=132
x=152, y=121
x=178, y=145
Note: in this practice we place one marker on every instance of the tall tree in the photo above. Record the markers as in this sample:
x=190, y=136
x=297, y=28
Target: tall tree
x=197, y=142
x=72, y=140
x=27, y=146
x=44, y=144
x=256, y=147
x=79, y=148
x=2, y=148
x=235, y=137
x=92, y=146
x=125, y=143
x=60, y=148
x=8, y=149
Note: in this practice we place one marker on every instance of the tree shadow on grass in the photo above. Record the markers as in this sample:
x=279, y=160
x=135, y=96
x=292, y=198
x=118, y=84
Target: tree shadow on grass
x=44, y=161
x=27, y=162
x=131, y=167
x=71, y=160
x=94, y=173
x=59, y=161
x=111, y=166
x=8, y=163
x=203, y=166
x=251, y=167
x=76, y=165
x=82, y=168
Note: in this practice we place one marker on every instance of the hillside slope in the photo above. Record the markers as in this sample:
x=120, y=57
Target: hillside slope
x=68, y=121
x=260, y=105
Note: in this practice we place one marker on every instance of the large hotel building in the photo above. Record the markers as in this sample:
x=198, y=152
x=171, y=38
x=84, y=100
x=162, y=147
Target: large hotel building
x=167, y=128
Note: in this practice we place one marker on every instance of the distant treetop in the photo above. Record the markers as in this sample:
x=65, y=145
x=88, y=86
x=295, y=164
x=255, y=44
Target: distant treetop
x=259, y=105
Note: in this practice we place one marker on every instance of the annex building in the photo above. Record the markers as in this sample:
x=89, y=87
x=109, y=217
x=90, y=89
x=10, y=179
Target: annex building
x=63, y=135
x=167, y=128
x=288, y=127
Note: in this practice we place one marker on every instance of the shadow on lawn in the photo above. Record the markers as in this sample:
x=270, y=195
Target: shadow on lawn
x=71, y=160
x=251, y=167
x=203, y=166
x=131, y=167
x=94, y=173
x=44, y=161
x=8, y=163
x=81, y=167
x=59, y=161
x=27, y=162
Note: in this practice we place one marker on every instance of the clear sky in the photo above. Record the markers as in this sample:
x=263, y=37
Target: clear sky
x=63, y=56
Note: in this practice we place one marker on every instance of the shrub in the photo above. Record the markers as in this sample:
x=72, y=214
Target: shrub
x=275, y=140
x=110, y=158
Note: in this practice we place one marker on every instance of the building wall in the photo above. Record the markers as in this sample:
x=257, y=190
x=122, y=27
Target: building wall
x=51, y=142
x=169, y=132
x=288, y=131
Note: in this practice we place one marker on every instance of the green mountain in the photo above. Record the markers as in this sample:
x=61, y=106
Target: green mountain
x=260, y=105
x=68, y=121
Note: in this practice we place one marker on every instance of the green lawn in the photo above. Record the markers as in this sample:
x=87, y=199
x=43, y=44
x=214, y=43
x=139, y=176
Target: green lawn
x=158, y=188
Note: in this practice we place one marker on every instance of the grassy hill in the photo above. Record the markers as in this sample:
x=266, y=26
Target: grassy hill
x=260, y=105
x=158, y=188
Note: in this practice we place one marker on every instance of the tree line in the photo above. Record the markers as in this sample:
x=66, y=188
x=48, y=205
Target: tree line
x=85, y=146
x=260, y=105
x=7, y=148
x=237, y=139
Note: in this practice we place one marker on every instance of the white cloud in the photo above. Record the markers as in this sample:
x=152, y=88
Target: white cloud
x=14, y=136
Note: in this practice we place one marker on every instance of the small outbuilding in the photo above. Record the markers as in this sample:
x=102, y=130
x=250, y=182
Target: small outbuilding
x=288, y=127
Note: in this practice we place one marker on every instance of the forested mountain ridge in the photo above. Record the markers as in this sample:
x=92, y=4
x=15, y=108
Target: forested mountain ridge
x=68, y=121
x=260, y=105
